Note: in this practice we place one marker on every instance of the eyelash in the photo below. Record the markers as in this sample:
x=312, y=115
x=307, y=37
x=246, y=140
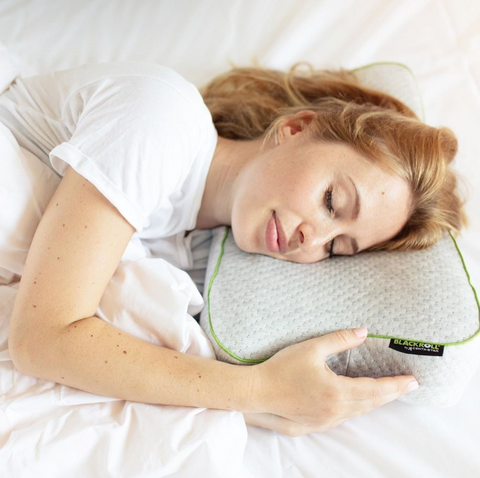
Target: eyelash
x=330, y=210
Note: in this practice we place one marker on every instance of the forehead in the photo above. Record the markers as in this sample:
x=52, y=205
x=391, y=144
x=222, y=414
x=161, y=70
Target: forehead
x=385, y=197
x=385, y=204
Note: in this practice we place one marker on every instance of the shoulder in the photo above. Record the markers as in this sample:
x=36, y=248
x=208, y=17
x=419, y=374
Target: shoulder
x=151, y=78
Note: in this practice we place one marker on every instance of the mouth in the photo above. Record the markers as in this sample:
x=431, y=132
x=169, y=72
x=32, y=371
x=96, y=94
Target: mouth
x=272, y=240
x=282, y=241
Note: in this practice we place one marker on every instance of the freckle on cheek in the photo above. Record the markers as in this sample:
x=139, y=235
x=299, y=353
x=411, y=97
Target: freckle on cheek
x=124, y=351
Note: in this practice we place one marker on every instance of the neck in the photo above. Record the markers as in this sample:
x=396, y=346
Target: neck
x=229, y=158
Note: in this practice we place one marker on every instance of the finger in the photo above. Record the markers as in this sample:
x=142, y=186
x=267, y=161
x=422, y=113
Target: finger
x=338, y=341
x=339, y=422
x=375, y=391
x=324, y=428
x=271, y=422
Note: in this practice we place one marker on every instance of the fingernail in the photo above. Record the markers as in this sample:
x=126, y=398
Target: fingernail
x=361, y=332
x=412, y=386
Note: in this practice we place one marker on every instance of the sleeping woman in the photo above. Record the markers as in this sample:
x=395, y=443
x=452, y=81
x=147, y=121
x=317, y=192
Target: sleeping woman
x=333, y=167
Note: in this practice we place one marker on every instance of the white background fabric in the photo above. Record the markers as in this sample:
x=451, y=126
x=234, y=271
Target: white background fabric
x=439, y=40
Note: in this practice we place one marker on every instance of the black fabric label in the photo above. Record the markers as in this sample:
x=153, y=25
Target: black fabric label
x=416, y=348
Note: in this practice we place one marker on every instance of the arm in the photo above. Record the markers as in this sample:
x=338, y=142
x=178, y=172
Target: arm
x=55, y=336
x=95, y=356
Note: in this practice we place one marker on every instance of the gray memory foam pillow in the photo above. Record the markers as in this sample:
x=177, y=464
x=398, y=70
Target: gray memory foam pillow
x=419, y=307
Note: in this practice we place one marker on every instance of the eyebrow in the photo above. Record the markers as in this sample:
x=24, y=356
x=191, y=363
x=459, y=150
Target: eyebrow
x=355, y=214
x=356, y=209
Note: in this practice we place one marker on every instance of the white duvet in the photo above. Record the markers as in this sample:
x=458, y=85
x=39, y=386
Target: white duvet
x=52, y=430
x=48, y=429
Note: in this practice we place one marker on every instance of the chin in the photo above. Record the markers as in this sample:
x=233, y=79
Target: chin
x=242, y=242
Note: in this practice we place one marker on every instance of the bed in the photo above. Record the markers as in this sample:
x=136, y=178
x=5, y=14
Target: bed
x=51, y=430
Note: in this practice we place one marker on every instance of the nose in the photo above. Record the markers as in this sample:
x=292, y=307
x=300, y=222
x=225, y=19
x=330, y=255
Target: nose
x=310, y=240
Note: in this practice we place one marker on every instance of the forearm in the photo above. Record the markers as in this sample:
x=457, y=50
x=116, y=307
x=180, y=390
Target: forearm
x=94, y=356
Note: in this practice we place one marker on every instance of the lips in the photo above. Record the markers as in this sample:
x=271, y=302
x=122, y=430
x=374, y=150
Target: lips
x=282, y=239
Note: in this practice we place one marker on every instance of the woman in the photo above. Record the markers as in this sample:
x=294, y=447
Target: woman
x=302, y=166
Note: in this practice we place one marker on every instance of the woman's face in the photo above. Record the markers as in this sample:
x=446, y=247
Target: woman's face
x=315, y=191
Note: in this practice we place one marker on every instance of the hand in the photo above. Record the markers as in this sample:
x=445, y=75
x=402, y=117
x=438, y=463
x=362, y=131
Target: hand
x=298, y=393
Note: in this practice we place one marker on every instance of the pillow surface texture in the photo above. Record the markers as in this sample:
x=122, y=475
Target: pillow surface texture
x=420, y=310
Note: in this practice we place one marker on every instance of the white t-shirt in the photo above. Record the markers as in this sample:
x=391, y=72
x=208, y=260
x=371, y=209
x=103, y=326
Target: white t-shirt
x=140, y=132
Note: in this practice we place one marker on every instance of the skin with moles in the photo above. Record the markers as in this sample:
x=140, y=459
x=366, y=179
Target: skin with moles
x=312, y=187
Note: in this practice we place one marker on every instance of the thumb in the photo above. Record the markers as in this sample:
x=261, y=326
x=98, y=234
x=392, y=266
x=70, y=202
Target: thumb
x=342, y=340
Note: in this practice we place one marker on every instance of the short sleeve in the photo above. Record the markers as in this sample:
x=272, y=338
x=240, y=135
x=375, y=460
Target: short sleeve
x=134, y=138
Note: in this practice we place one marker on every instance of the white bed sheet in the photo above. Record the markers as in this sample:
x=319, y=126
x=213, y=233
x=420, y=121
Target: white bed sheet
x=47, y=429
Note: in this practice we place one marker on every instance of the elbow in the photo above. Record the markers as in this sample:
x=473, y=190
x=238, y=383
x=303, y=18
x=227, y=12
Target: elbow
x=14, y=350
x=15, y=356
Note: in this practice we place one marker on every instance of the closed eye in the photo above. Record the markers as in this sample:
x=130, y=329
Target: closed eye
x=331, y=249
x=329, y=201
x=331, y=210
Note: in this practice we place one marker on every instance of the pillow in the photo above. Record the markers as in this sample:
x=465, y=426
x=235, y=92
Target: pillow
x=395, y=79
x=420, y=309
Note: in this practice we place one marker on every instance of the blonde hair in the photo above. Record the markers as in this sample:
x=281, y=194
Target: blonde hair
x=251, y=102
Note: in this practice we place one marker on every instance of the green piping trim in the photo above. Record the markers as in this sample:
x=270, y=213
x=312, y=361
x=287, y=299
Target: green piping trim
x=405, y=66
x=229, y=352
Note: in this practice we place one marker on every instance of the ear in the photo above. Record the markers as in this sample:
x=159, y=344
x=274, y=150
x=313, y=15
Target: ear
x=295, y=125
